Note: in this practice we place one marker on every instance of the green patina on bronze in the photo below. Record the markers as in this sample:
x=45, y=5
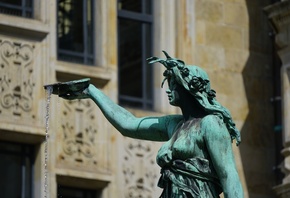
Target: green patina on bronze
x=196, y=82
x=196, y=159
x=70, y=87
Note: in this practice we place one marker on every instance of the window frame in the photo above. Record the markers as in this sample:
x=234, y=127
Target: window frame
x=87, y=192
x=25, y=10
x=84, y=55
x=143, y=18
x=24, y=154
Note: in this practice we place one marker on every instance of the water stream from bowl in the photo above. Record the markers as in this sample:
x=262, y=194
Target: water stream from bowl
x=49, y=90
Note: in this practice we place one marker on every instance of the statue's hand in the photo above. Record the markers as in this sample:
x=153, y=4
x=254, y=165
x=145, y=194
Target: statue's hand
x=81, y=94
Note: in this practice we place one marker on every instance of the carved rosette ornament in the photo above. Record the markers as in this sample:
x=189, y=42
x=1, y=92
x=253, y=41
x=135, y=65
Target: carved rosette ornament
x=139, y=169
x=78, y=133
x=16, y=79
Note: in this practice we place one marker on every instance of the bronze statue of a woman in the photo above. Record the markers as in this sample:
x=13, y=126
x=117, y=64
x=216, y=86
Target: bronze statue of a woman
x=196, y=159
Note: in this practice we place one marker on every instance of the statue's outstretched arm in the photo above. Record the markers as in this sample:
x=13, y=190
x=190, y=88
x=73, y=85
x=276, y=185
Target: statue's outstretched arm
x=218, y=143
x=148, y=128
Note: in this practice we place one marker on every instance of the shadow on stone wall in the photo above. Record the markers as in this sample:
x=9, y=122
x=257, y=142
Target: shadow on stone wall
x=258, y=137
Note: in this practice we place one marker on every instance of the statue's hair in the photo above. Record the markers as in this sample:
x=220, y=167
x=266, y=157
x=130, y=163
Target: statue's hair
x=196, y=81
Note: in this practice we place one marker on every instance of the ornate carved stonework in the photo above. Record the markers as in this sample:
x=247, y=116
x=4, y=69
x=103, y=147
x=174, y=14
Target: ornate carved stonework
x=279, y=17
x=16, y=79
x=139, y=169
x=78, y=133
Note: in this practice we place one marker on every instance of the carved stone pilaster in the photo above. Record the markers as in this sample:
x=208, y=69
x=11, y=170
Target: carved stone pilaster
x=279, y=17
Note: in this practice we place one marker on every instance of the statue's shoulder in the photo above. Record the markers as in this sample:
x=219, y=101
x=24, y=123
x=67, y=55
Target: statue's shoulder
x=173, y=122
x=212, y=121
x=211, y=117
x=174, y=119
x=213, y=127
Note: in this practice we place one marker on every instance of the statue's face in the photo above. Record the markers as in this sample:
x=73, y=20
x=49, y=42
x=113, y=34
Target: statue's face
x=174, y=92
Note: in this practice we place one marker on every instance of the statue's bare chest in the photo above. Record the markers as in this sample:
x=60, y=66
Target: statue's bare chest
x=186, y=142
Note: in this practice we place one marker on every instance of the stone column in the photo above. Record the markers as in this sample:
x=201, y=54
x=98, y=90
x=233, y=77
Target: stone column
x=279, y=17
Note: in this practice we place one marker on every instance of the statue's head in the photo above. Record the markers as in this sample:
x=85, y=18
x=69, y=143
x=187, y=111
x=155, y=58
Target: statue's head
x=196, y=81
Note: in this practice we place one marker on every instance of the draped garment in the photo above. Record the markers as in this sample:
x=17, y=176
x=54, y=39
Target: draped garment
x=191, y=178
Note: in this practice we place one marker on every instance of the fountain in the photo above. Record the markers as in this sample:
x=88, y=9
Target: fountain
x=196, y=159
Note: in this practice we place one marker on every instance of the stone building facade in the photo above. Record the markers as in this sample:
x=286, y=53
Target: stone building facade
x=40, y=44
x=278, y=15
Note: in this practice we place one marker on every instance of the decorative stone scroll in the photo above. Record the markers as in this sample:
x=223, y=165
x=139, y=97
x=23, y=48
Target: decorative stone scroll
x=78, y=133
x=139, y=169
x=16, y=79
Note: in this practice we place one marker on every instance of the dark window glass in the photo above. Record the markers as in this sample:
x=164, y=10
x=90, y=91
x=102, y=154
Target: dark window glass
x=134, y=46
x=70, y=192
x=142, y=6
x=21, y=8
x=16, y=170
x=75, y=30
